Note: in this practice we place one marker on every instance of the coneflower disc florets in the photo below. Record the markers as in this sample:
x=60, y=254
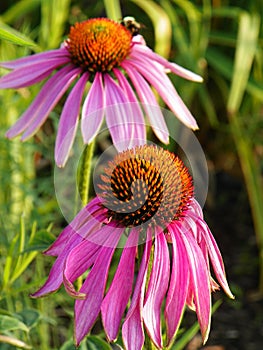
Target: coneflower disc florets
x=146, y=185
x=98, y=44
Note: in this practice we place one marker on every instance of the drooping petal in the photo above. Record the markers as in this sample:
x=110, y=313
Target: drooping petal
x=93, y=110
x=51, y=99
x=119, y=116
x=150, y=104
x=30, y=114
x=199, y=278
x=179, y=281
x=142, y=51
x=159, y=80
x=55, y=277
x=36, y=58
x=84, y=254
x=157, y=288
x=30, y=75
x=138, y=119
x=117, y=297
x=215, y=257
x=69, y=121
x=132, y=329
x=86, y=311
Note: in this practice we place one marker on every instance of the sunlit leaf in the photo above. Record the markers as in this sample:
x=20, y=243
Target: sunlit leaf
x=249, y=26
x=15, y=37
x=8, y=323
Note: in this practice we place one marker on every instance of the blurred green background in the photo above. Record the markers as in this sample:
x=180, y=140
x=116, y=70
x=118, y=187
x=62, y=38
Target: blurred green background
x=219, y=39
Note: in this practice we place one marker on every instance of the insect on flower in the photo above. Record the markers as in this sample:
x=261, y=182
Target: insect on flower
x=131, y=24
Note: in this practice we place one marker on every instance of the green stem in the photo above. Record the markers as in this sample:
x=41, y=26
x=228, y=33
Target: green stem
x=85, y=173
x=84, y=182
x=253, y=183
x=113, y=9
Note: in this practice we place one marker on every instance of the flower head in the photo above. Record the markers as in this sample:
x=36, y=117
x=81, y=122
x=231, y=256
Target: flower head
x=117, y=65
x=145, y=204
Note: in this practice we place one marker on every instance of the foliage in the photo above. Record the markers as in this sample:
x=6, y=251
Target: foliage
x=220, y=40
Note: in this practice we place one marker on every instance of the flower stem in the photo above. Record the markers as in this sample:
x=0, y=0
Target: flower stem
x=113, y=9
x=85, y=173
x=84, y=182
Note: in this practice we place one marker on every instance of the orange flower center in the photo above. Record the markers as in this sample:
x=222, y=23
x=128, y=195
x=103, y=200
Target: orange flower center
x=146, y=185
x=98, y=44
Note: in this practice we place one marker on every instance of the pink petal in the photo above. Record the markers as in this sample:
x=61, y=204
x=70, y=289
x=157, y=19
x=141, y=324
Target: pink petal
x=51, y=99
x=199, y=280
x=86, y=311
x=144, y=52
x=55, y=277
x=177, y=293
x=93, y=110
x=91, y=210
x=84, y=254
x=37, y=58
x=132, y=329
x=138, y=119
x=215, y=257
x=159, y=80
x=69, y=121
x=29, y=115
x=116, y=299
x=119, y=117
x=150, y=104
x=157, y=288
x=30, y=75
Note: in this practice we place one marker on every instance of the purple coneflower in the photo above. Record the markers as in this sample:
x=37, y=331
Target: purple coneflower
x=145, y=204
x=116, y=63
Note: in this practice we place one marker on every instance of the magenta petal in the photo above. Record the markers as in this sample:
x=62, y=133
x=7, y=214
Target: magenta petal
x=36, y=58
x=86, y=311
x=79, y=260
x=157, y=288
x=138, y=122
x=177, y=293
x=55, y=277
x=29, y=115
x=30, y=75
x=132, y=329
x=84, y=254
x=150, y=104
x=200, y=283
x=119, y=116
x=215, y=257
x=142, y=51
x=51, y=99
x=68, y=121
x=93, y=110
x=117, y=297
x=85, y=215
x=159, y=80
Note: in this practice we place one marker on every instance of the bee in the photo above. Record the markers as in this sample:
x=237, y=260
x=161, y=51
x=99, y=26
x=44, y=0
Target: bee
x=131, y=24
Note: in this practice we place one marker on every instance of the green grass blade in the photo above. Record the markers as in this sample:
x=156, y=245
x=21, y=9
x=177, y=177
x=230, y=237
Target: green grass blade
x=249, y=26
x=14, y=36
x=161, y=24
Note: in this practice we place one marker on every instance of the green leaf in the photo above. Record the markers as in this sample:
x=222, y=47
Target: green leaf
x=249, y=26
x=10, y=34
x=8, y=323
x=161, y=24
x=29, y=317
x=96, y=343
x=41, y=241
x=93, y=342
x=68, y=345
